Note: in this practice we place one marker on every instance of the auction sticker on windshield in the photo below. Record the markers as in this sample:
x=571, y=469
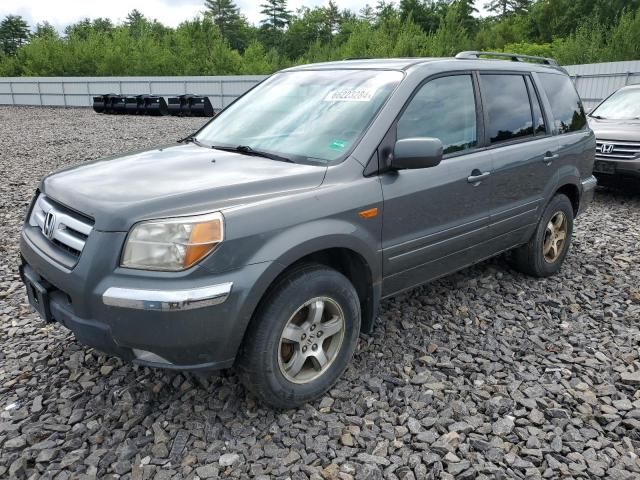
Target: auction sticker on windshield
x=350, y=95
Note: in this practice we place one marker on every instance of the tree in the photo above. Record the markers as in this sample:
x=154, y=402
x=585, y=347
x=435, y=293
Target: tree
x=45, y=30
x=277, y=16
x=463, y=12
x=503, y=8
x=14, y=32
x=224, y=13
x=385, y=10
x=332, y=17
x=367, y=14
x=136, y=22
x=232, y=25
x=103, y=25
x=423, y=13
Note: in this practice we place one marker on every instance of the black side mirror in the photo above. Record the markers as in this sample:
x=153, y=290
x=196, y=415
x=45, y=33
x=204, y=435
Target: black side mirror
x=410, y=153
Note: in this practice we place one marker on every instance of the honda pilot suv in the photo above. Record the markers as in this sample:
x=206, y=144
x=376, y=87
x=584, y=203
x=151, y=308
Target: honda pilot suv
x=616, y=123
x=266, y=240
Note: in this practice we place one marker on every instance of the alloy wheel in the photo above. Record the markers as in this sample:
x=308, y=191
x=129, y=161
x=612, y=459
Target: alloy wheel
x=555, y=237
x=311, y=340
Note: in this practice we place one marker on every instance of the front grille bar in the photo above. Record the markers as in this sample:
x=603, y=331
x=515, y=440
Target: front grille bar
x=66, y=229
x=621, y=150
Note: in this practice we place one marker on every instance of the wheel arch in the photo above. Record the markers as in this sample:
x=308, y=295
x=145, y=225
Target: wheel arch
x=572, y=191
x=342, y=256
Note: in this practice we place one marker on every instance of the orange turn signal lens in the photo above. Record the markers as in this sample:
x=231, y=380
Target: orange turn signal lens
x=371, y=213
x=204, y=238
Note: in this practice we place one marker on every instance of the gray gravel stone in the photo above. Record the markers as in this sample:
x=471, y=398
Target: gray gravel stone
x=229, y=459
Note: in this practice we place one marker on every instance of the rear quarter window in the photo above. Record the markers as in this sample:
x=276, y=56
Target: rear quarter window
x=566, y=105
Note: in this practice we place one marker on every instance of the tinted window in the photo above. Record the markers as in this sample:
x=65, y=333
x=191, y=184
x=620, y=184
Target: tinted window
x=444, y=108
x=538, y=118
x=565, y=103
x=507, y=101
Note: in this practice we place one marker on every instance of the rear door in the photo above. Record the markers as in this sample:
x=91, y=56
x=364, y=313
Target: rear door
x=436, y=218
x=525, y=155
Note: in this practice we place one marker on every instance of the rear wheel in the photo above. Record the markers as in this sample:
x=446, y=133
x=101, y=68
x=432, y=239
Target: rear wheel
x=302, y=338
x=544, y=255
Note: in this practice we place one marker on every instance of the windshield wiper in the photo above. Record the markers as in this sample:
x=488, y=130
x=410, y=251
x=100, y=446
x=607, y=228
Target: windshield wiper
x=599, y=117
x=247, y=150
x=194, y=140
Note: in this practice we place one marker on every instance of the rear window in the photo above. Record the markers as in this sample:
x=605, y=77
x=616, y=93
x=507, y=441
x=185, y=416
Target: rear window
x=507, y=101
x=565, y=103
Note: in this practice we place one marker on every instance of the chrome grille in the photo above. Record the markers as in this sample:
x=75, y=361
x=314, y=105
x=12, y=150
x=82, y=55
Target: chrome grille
x=617, y=150
x=63, y=227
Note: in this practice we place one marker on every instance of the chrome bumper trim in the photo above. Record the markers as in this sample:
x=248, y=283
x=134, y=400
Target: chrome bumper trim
x=167, y=300
x=589, y=184
x=588, y=193
x=150, y=357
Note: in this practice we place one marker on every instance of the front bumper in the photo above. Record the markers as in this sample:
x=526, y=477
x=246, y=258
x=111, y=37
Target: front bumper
x=610, y=170
x=192, y=320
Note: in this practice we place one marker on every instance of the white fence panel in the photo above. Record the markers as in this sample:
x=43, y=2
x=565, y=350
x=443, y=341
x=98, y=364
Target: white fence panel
x=78, y=91
x=597, y=81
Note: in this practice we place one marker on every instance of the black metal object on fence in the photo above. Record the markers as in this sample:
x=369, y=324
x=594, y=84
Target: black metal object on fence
x=118, y=105
x=99, y=103
x=154, y=105
x=174, y=104
x=190, y=105
x=201, y=106
x=134, y=105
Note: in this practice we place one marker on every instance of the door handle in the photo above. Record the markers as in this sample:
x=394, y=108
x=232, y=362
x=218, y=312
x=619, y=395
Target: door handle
x=550, y=157
x=477, y=177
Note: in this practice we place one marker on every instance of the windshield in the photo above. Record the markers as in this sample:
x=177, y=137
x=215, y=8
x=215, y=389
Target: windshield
x=622, y=105
x=314, y=116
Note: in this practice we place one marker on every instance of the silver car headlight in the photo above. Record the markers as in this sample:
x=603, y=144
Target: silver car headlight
x=172, y=244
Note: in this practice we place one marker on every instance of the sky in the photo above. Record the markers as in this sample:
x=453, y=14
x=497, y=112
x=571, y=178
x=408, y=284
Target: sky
x=61, y=13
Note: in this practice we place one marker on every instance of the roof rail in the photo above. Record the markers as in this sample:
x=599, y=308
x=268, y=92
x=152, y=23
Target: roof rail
x=515, y=57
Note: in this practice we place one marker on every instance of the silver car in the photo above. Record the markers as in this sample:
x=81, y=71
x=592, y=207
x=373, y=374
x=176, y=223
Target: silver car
x=616, y=123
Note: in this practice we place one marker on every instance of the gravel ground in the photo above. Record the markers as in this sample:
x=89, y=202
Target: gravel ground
x=484, y=374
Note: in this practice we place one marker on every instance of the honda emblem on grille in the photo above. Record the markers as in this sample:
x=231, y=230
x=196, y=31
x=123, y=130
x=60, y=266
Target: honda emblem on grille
x=49, y=226
x=608, y=148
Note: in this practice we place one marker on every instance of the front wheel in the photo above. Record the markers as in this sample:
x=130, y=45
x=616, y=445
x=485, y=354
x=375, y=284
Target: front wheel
x=544, y=255
x=302, y=337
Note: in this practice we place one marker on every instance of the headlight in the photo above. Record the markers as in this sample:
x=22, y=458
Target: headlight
x=172, y=244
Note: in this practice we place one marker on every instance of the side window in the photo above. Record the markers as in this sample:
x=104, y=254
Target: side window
x=565, y=103
x=538, y=117
x=507, y=102
x=444, y=108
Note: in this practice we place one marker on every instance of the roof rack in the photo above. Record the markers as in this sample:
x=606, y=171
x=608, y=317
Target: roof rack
x=515, y=57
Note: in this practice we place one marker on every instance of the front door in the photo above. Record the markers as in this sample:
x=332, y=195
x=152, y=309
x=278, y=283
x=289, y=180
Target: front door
x=436, y=219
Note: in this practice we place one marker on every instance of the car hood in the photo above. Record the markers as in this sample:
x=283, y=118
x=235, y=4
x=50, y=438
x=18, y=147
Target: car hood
x=623, y=130
x=182, y=179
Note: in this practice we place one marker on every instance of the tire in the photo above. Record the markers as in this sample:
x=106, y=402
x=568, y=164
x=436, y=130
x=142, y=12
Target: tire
x=536, y=258
x=267, y=363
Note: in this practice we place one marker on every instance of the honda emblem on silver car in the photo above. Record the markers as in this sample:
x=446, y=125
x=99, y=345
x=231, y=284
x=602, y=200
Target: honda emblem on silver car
x=608, y=148
x=49, y=226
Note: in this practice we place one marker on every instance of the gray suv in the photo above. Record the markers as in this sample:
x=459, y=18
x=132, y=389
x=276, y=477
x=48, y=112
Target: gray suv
x=266, y=240
x=616, y=123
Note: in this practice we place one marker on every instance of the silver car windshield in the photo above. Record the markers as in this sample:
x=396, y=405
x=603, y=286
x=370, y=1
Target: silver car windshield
x=622, y=105
x=314, y=116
